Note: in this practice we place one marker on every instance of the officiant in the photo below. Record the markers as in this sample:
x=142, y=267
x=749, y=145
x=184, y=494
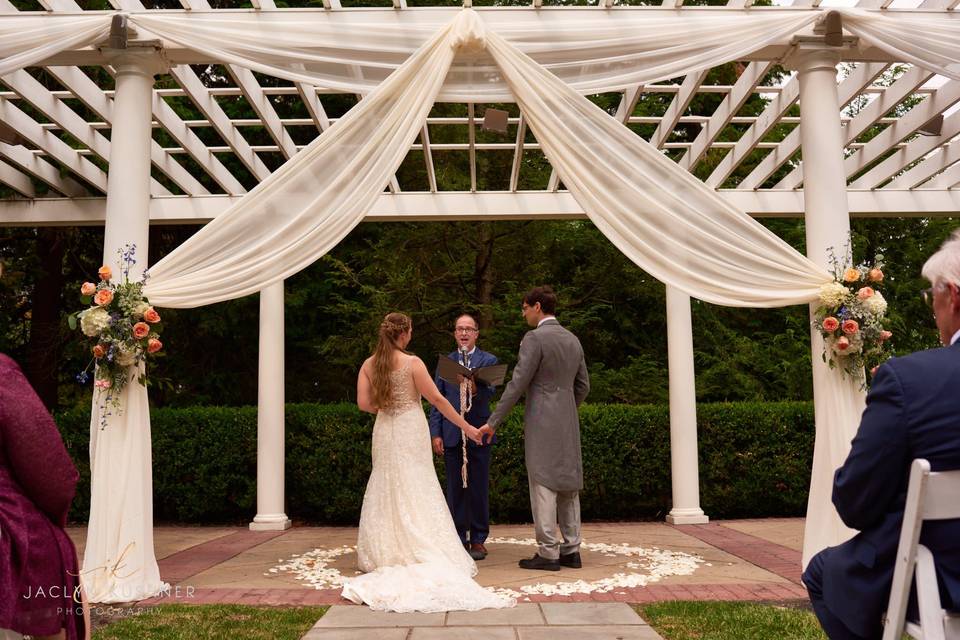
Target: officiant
x=470, y=505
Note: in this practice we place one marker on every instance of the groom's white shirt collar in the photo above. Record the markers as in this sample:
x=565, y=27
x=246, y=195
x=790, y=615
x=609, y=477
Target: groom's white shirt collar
x=545, y=319
x=955, y=337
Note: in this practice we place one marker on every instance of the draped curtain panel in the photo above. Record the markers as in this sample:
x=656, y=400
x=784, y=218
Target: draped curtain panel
x=663, y=219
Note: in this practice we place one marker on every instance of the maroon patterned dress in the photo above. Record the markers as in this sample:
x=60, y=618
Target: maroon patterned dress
x=38, y=562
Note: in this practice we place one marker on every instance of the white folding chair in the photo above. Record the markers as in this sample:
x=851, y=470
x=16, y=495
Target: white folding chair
x=930, y=496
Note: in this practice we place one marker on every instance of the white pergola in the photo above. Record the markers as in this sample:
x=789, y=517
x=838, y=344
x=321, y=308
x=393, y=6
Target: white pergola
x=48, y=148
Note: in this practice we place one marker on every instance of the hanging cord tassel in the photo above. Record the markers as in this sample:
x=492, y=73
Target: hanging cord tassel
x=466, y=403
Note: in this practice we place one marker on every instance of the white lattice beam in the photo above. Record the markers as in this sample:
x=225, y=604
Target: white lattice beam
x=42, y=170
x=464, y=206
x=37, y=95
x=688, y=89
x=52, y=145
x=91, y=95
x=946, y=157
x=915, y=150
x=945, y=97
x=728, y=108
x=870, y=115
x=862, y=76
x=17, y=180
x=949, y=179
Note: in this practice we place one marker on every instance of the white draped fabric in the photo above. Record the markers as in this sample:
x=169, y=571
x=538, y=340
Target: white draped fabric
x=663, y=219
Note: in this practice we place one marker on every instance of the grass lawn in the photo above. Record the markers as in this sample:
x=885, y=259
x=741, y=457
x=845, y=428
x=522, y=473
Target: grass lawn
x=730, y=621
x=213, y=622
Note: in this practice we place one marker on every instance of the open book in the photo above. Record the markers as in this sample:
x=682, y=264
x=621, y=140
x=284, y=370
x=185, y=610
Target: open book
x=449, y=370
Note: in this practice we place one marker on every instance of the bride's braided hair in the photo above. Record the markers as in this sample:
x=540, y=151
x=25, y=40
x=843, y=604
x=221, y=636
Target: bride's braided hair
x=394, y=326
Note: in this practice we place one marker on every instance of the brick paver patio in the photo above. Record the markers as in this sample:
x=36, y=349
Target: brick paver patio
x=743, y=560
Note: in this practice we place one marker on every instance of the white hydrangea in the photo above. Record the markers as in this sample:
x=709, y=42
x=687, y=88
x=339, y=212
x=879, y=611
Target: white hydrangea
x=832, y=294
x=875, y=304
x=94, y=320
x=141, y=308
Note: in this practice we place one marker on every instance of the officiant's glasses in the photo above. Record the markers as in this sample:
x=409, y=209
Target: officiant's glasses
x=465, y=329
x=927, y=296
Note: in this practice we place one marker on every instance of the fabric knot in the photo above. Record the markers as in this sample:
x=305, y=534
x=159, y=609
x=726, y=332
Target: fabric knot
x=468, y=33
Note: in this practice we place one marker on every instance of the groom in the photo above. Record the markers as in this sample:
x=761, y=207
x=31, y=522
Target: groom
x=551, y=370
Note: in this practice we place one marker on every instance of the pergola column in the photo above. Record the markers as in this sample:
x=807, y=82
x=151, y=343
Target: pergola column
x=684, y=468
x=827, y=223
x=120, y=531
x=271, y=514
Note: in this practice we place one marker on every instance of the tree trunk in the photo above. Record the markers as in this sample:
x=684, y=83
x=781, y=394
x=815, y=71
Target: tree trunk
x=44, y=350
x=484, y=276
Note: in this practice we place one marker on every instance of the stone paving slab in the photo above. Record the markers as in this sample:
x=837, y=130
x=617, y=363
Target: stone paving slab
x=463, y=633
x=316, y=633
x=525, y=613
x=344, y=616
x=618, y=632
x=589, y=613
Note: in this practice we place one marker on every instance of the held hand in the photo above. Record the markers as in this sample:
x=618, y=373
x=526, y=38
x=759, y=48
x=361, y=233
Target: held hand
x=438, y=446
x=474, y=434
x=486, y=430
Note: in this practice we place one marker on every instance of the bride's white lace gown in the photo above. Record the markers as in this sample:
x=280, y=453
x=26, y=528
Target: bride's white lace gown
x=407, y=543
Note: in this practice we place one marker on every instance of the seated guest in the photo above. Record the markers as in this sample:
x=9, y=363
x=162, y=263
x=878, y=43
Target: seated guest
x=40, y=591
x=913, y=411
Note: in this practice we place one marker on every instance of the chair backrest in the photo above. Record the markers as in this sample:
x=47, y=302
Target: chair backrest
x=930, y=496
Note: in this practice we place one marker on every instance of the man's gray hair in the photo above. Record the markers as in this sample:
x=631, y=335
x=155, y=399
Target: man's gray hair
x=944, y=265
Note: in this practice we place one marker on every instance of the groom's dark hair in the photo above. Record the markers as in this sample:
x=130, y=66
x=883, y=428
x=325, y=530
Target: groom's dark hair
x=545, y=296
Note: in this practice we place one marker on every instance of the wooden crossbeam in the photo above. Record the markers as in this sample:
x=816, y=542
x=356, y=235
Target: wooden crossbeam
x=688, y=89
x=947, y=156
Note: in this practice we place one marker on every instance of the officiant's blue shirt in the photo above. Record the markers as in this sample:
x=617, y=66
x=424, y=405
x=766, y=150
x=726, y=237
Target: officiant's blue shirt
x=478, y=414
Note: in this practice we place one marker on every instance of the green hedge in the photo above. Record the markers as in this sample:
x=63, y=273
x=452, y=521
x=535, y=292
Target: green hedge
x=754, y=462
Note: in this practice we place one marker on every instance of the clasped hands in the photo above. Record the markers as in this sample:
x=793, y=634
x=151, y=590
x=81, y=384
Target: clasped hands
x=480, y=435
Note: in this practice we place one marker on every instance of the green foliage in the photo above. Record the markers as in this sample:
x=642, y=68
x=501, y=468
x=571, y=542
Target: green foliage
x=730, y=621
x=754, y=461
x=211, y=622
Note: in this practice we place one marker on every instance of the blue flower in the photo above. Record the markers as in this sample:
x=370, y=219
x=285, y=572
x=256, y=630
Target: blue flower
x=82, y=377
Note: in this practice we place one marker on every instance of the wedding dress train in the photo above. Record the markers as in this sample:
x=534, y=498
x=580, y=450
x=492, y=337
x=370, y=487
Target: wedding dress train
x=408, y=544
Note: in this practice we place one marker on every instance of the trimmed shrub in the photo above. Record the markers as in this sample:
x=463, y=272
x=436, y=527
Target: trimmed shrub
x=754, y=461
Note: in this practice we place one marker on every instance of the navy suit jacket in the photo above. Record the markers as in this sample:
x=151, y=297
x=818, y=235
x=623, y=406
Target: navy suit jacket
x=477, y=416
x=913, y=411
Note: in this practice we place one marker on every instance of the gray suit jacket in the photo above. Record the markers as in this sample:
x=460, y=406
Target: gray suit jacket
x=552, y=371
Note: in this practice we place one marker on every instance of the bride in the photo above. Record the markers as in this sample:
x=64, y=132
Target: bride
x=408, y=544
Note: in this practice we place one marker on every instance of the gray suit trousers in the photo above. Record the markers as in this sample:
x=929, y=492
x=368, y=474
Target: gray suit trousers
x=550, y=507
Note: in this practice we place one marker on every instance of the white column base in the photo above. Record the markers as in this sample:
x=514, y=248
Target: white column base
x=687, y=516
x=276, y=522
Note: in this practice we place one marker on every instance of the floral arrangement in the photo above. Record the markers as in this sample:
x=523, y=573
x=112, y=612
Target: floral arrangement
x=851, y=318
x=124, y=328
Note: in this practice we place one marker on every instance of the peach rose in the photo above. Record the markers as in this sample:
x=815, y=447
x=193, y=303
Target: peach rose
x=151, y=316
x=102, y=384
x=864, y=293
x=99, y=351
x=103, y=297
x=105, y=273
x=851, y=275
x=885, y=335
x=154, y=345
x=875, y=275
x=141, y=330
x=830, y=323
x=850, y=327
x=88, y=289
x=843, y=343
x=873, y=371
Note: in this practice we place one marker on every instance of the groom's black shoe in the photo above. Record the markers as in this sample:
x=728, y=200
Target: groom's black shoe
x=539, y=563
x=571, y=560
